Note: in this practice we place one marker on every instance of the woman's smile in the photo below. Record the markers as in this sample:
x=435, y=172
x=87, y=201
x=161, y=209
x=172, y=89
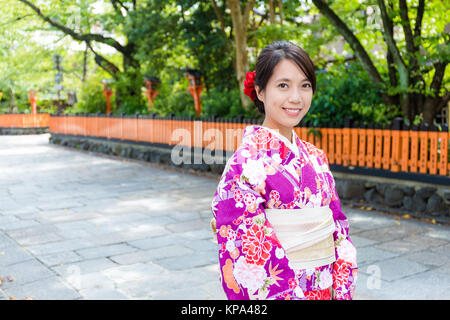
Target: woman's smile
x=292, y=112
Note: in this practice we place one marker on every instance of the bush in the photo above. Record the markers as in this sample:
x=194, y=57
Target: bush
x=345, y=90
x=128, y=93
x=46, y=106
x=173, y=98
x=91, y=98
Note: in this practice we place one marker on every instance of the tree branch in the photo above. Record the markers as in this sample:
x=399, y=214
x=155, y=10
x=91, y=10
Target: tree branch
x=116, y=8
x=390, y=61
x=271, y=12
x=105, y=64
x=80, y=37
x=436, y=83
x=280, y=7
x=248, y=7
x=121, y=4
x=15, y=19
x=219, y=16
x=403, y=72
x=353, y=41
x=419, y=17
x=406, y=26
x=389, y=35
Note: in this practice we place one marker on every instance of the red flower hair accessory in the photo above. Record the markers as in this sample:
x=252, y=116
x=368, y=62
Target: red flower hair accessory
x=249, y=85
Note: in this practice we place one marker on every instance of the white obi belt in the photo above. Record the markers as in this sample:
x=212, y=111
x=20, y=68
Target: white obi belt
x=305, y=234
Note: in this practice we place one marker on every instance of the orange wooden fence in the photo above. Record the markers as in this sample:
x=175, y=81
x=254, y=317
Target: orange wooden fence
x=401, y=150
x=27, y=120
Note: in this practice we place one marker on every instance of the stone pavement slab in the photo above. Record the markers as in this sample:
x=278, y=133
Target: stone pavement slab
x=75, y=225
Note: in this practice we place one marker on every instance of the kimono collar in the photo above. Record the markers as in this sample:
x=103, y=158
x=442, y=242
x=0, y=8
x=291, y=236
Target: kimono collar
x=290, y=144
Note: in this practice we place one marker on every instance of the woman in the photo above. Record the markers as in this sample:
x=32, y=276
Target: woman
x=279, y=224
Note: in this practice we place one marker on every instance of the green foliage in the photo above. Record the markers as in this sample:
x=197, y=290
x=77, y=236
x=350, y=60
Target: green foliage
x=206, y=42
x=90, y=97
x=222, y=103
x=131, y=101
x=169, y=36
x=46, y=106
x=344, y=90
x=173, y=97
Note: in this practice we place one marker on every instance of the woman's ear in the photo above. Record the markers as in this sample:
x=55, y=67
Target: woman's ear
x=259, y=93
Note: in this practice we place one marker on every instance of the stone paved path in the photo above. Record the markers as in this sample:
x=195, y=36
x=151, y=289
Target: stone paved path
x=74, y=225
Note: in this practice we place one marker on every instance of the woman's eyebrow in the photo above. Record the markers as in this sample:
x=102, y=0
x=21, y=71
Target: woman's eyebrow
x=287, y=80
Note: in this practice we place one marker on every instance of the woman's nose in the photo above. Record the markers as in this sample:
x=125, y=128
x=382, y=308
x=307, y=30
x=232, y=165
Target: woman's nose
x=295, y=97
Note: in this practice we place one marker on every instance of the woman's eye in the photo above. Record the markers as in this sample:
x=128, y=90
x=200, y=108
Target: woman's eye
x=283, y=85
x=307, y=84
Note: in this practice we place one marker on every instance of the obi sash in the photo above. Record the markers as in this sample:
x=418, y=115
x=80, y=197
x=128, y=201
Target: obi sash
x=305, y=234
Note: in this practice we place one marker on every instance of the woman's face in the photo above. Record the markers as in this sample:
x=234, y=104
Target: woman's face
x=287, y=96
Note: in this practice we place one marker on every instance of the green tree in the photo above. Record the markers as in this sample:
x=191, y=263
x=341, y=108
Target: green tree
x=415, y=38
x=81, y=20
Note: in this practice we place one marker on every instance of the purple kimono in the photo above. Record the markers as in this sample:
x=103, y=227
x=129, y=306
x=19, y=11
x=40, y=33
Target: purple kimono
x=268, y=171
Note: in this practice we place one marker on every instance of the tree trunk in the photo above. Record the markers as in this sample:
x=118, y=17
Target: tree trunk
x=271, y=12
x=428, y=109
x=280, y=7
x=356, y=46
x=83, y=79
x=240, y=22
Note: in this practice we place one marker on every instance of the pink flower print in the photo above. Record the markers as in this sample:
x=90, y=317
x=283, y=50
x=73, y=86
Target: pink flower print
x=231, y=235
x=339, y=295
x=261, y=138
x=255, y=246
x=249, y=199
x=347, y=252
x=297, y=194
x=325, y=279
x=250, y=276
x=292, y=283
x=274, y=144
x=237, y=221
x=274, y=195
x=286, y=296
x=310, y=148
x=284, y=151
x=341, y=271
x=238, y=196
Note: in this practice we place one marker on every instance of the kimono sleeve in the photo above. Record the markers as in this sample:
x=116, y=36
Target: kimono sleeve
x=252, y=263
x=345, y=269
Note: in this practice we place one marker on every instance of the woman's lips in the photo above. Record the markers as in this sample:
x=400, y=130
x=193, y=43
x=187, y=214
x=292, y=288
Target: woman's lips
x=293, y=112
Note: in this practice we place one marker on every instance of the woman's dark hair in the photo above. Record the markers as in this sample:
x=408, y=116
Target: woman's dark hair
x=274, y=53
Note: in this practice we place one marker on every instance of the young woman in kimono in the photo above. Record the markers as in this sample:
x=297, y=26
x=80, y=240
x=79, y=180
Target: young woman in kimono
x=278, y=219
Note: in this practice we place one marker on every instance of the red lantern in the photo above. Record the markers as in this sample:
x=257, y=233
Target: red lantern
x=33, y=99
x=150, y=92
x=195, y=88
x=107, y=92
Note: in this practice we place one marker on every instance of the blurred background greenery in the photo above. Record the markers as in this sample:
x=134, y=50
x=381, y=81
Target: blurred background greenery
x=375, y=60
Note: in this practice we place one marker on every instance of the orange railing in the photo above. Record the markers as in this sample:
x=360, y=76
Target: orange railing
x=27, y=120
x=397, y=149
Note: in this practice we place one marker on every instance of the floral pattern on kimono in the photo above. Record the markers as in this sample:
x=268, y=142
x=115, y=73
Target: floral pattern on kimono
x=269, y=171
